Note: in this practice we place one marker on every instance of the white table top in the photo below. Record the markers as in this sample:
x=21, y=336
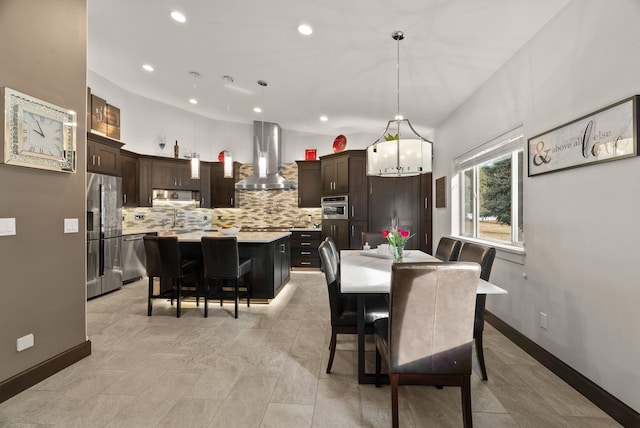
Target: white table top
x=360, y=273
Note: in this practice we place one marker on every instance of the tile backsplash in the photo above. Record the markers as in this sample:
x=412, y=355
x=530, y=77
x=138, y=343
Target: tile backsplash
x=266, y=208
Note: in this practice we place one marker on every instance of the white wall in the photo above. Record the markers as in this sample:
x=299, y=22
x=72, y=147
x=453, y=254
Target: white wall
x=144, y=121
x=581, y=225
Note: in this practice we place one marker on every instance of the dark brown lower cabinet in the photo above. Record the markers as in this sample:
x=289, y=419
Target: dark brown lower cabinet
x=270, y=264
x=395, y=197
x=338, y=230
x=355, y=234
x=304, y=248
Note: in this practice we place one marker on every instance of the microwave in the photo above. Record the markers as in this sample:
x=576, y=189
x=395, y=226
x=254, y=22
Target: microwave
x=335, y=207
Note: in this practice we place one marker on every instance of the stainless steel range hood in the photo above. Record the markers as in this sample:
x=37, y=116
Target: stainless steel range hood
x=266, y=145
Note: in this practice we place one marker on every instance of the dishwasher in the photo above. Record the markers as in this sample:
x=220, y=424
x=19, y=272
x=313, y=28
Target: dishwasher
x=133, y=258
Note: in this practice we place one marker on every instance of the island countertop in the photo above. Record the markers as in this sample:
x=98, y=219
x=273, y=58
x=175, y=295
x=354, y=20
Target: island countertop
x=243, y=237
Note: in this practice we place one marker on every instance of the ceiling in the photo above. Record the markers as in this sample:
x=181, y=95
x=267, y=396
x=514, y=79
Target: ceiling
x=345, y=70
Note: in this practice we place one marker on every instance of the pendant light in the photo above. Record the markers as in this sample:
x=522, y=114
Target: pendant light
x=228, y=160
x=262, y=152
x=400, y=150
x=195, y=160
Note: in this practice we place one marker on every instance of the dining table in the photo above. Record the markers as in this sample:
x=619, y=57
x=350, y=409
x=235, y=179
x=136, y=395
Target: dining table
x=366, y=273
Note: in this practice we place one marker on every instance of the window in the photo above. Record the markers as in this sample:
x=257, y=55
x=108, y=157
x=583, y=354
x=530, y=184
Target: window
x=490, y=181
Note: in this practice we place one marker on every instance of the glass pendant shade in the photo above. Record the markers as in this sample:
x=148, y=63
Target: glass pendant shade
x=262, y=165
x=195, y=167
x=228, y=165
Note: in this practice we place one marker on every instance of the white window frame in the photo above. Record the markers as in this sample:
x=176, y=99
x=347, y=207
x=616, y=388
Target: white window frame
x=511, y=143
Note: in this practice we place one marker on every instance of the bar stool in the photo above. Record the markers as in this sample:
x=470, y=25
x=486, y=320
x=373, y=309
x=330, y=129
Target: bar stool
x=165, y=262
x=222, y=262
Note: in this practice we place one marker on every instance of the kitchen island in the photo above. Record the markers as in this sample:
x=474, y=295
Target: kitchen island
x=270, y=254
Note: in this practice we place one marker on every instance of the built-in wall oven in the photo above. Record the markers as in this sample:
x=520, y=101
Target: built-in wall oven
x=335, y=207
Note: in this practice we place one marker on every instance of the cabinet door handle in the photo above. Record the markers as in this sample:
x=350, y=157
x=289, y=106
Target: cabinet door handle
x=426, y=203
x=305, y=253
x=353, y=231
x=202, y=201
x=124, y=197
x=353, y=210
x=282, y=248
x=98, y=160
x=149, y=199
x=305, y=263
x=303, y=235
x=93, y=159
x=175, y=181
x=305, y=244
x=180, y=183
x=299, y=200
x=231, y=201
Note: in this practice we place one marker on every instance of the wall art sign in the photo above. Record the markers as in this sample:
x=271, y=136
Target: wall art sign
x=441, y=192
x=605, y=135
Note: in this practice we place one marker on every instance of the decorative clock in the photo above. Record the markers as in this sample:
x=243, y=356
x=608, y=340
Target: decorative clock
x=38, y=134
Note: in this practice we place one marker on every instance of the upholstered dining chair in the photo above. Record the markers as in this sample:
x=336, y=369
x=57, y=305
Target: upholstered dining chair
x=222, y=262
x=428, y=337
x=335, y=254
x=344, y=307
x=484, y=256
x=448, y=249
x=373, y=238
x=164, y=261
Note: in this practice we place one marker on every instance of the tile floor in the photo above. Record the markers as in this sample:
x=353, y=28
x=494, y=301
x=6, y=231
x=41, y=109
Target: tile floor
x=267, y=369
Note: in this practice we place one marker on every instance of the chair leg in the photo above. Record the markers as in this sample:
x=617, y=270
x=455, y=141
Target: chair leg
x=480, y=354
x=332, y=349
x=248, y=287
x=221, y=291
x=178, y=298
x=394, y=400
x=206, y=299
x=149, y=304
x=378, y=367
x=237, y=292
x=466, y=401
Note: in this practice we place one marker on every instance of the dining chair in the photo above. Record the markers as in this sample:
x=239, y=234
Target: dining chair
x=448, y=249
x=428, y=337
x=222, y=262
x=344, y=307
x=484, y=256
x=335, y=253
x=373, y=238
x=164, y=261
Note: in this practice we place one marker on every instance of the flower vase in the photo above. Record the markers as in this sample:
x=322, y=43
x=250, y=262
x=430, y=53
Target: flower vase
x=398, y=252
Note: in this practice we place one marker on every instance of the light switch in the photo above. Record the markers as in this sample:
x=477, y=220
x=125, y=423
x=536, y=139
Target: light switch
x=24, y=342
x=7, y=226
x=70, y=225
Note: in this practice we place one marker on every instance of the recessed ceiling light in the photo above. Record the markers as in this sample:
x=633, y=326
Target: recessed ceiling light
x=178, y=16
x=305, y=29
x=193, y=101
x=324, y=118
x=147, y=67
x=257, y=109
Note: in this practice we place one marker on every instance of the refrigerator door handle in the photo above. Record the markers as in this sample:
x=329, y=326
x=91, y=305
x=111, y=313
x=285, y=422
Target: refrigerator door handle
x=101, y=249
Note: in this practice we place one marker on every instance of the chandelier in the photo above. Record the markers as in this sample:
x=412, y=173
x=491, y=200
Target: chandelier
x=400, y=151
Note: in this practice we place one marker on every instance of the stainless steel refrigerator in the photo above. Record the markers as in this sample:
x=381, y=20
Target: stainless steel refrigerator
x=104, y=234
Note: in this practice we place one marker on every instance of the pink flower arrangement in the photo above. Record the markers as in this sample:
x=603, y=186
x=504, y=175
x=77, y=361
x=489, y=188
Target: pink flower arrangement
x=397, y=237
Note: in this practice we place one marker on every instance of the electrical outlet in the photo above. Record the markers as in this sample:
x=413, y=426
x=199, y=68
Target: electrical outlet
x=206, y=217
x=139, y=217
x=543, y=321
